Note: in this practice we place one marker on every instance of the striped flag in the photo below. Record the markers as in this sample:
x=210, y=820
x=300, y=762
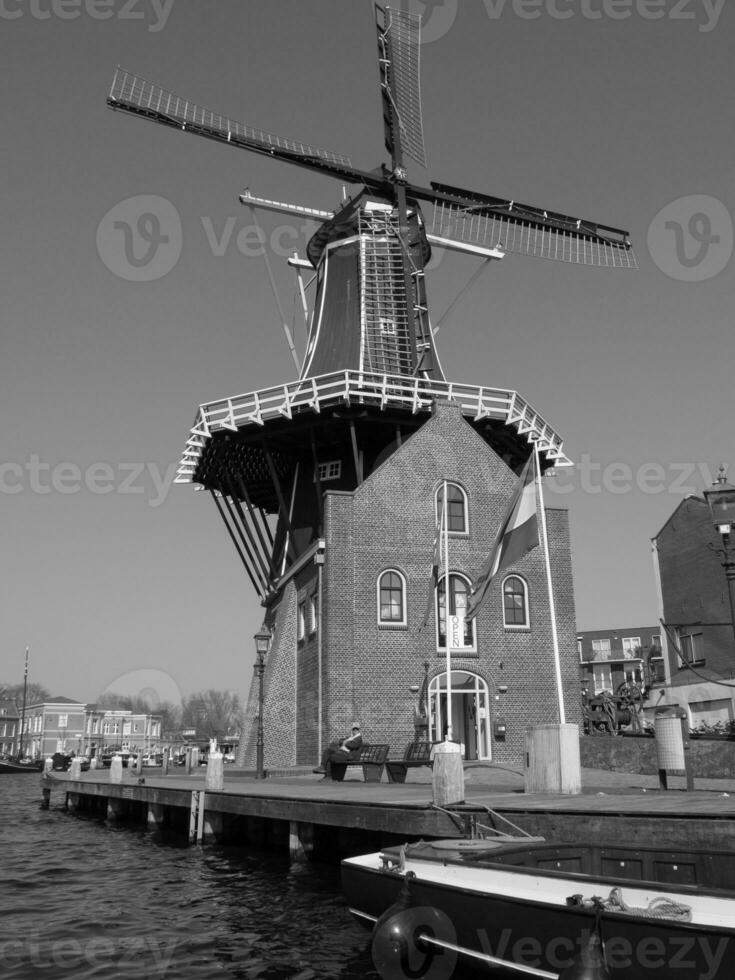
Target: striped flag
x=436, y=561
x=518, y=534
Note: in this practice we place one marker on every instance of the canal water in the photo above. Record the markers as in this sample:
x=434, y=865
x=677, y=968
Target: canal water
x=82, y=899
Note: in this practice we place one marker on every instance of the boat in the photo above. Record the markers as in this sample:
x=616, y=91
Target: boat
x=20, y=763
x=515, y=906
x=9, y=765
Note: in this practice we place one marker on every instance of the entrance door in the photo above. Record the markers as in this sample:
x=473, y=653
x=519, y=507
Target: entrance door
x=470, y=713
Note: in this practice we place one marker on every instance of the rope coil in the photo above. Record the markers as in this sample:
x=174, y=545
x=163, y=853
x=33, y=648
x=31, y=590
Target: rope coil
x=657, y=908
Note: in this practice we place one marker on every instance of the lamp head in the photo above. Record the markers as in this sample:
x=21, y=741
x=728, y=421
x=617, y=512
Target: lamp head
x=262, y=640
x=721, y=502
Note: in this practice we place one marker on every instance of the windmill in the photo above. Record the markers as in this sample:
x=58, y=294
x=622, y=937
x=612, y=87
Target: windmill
x=371, y=371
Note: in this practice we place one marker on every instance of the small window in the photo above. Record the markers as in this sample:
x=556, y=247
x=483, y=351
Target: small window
x=331, y=470
x=601, y=649
x=63, y=721
x=456, y=508
x=515, y=602
x=459, y=590
x=387, y=326
x=692, y=647
x=301, y=626
x=631, y=647
x=391, y=599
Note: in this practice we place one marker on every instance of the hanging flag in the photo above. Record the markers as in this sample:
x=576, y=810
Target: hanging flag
x=518, y=534
x=436, y=561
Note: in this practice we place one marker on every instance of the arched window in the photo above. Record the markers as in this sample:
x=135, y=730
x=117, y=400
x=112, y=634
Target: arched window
x=515, y=601
x=459, y=591
x=391, y=598
x=456, y=508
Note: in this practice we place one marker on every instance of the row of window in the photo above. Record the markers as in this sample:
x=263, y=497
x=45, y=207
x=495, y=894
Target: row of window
x=392, y=611
x=392, y=607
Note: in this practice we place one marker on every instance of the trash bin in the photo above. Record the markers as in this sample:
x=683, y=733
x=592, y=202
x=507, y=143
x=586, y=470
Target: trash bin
x=672, y=745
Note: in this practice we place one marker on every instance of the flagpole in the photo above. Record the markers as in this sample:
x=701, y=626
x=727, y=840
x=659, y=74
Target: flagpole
x=447, y=631
x=550, y=587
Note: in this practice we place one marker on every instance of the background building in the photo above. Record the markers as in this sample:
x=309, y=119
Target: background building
x=698, y=642
x=108, y=729
x=56, y=725
x=9, y=727
x=611, y=657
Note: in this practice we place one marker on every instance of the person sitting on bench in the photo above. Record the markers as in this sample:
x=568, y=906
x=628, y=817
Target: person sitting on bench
x=340, y=751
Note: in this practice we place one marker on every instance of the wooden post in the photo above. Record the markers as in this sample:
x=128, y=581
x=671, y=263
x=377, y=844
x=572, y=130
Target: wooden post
x=300, y=840
x=448, y=774
x=193, y=808
x=46, y=797
x=165, y=762
x=214, y=779
x=552, y=759
x=200, y=817
x=156, y=814
x=116, y=769
x=115, y=809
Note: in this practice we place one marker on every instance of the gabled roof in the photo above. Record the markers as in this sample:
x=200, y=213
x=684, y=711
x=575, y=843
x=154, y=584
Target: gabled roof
x=689, y=497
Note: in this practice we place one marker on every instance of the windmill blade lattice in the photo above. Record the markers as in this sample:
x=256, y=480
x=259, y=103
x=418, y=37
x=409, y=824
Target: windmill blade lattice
x=526, y=236
x=134, y=94
x=401, y=34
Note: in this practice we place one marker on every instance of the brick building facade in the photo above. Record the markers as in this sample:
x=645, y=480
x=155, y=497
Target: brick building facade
x=331, y=638
x=695, y=606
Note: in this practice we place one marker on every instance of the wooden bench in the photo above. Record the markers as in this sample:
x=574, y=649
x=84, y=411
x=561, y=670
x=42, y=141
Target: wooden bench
x=370, y=757
x=416, y=754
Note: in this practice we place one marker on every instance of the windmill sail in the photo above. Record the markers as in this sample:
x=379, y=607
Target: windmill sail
x=399, y=35
x=131, y=93
x=491, y=222
x=527, y=234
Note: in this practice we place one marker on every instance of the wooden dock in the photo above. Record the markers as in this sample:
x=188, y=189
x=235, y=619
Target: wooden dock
x=330, y=818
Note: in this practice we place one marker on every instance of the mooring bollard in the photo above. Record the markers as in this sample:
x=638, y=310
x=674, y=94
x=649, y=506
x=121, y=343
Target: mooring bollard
x=75, y=770
x=164, y=762
x=93, y=763
x=48, y=765
x=138, y=766
x=116, y=769
x=215, y=777
x=448, y=774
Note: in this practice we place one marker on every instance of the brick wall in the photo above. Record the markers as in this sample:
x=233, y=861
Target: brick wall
x=368, y=669
x=694, y=588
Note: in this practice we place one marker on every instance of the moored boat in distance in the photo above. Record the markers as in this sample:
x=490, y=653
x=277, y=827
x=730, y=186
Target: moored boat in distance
x=530, y=908
x=8, y=765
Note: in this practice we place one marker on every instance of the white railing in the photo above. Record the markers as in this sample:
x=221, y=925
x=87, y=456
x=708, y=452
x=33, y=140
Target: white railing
x=256, y=408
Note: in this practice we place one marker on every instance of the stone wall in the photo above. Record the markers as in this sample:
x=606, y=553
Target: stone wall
x=710, y=757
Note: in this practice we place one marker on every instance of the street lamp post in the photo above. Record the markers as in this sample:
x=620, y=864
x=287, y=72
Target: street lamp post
x=262, y=644
x=721, y=501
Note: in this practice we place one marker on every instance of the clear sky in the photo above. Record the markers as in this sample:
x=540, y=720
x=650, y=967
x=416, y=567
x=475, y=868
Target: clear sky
x=614, y=110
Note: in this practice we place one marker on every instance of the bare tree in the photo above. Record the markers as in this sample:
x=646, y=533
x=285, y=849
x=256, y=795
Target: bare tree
x=213, y=714
x=35, y=694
